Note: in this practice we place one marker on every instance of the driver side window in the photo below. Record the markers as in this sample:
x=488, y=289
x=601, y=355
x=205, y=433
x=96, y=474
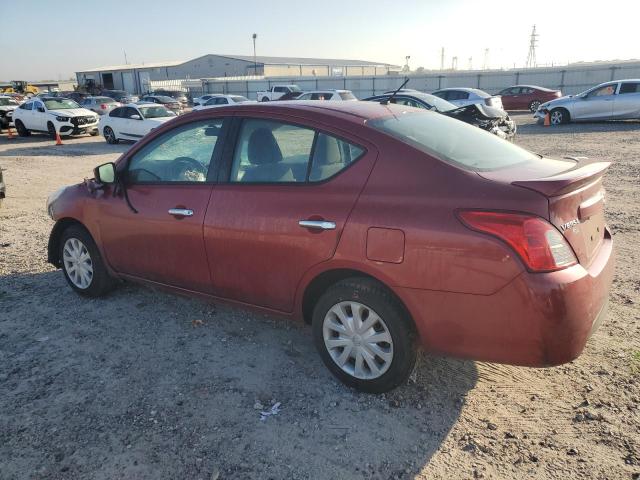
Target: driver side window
x=180, y=155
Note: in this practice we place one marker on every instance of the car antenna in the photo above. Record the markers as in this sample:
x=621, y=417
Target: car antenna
x=387, y=100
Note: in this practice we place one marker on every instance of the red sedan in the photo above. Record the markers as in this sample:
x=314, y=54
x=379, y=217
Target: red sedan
x=374, y=223
x=527, y=97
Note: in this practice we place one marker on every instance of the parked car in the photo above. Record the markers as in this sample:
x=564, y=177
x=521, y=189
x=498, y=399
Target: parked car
x=77, y=97
x=492, y=119
x=290, y=96
x=220, y=100
x=132, y=122
x=203, y=99
x=468, y=96
x=100, y=105
x=383, y=226
x=3, y=188
x=275, y=92
x=168, y=102
x=333, y=95
x=617, y=100
x=120, y=96
x=178, y=95
x=51, y=115
x=527, y=97
x=7, y=106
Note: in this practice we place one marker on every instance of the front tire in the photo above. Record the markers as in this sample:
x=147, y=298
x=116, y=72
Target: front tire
x=21, y=129
x=559, y=116
x=51, y=130
x=110, y=136
x=94, y=133
x=363, y=335
x=82, y=264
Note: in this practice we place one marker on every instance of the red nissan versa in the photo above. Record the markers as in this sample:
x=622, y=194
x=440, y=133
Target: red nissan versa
x=527, y=97
x=383, y=226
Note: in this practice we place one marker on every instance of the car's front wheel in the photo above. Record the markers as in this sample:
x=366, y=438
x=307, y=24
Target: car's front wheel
x=559, y=116
x=364, y=336
x=51, y=129
x=110, y=136
x=82, y=263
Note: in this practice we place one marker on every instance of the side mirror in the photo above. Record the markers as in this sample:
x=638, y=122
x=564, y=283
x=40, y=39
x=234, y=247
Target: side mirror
x=105, y=173
x=41, y=109
x=135, y=117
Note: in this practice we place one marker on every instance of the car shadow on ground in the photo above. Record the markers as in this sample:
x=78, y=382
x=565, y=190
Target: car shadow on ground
x=41, y=145
x=533, y=128
x=144, y=384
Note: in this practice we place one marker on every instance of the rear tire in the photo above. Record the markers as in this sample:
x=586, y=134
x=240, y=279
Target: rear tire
x=265, y=99
x=533, y=106
x=110, y=136
x=364, y=336
x=21, y=129
x=94, y=133
x=82, y=264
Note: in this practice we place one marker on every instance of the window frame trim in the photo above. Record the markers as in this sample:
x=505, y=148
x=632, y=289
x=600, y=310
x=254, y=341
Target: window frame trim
x=226, y=166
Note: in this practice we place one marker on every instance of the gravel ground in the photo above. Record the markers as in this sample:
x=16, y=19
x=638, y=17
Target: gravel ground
x=146, y=385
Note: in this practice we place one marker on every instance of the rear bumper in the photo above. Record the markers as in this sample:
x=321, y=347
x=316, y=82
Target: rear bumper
x=537, y=320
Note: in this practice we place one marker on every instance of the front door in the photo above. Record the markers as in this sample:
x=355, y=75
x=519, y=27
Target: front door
x=596, y=105
x=167, y=183
x=286, y=196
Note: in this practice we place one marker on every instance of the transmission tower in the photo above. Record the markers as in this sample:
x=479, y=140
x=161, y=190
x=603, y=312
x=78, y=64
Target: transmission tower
x=533, y=41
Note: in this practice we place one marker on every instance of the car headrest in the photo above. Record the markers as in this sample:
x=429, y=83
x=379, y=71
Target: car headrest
x=327, y=150
x=263, y=147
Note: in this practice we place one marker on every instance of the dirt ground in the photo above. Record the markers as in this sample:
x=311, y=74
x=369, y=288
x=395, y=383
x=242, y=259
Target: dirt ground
x=146, y=385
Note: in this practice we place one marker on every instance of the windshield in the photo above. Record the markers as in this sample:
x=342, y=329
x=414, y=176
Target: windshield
x=165, y=99
x=8, y=101
x=451, y=140
x=440, y=104
x=157, y=111
x=60, y=104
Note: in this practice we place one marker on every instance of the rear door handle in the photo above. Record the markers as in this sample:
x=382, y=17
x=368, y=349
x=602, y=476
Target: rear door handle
x=182, y=212
x=317, y=224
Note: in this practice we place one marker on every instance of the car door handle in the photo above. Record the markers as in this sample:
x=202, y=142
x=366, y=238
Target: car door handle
x=317, y=224
x=182, y=212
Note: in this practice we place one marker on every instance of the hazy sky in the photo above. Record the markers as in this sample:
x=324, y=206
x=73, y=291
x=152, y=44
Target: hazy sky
x=57, y=38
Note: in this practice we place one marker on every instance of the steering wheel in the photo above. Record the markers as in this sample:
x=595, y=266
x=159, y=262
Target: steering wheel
x=181, y=165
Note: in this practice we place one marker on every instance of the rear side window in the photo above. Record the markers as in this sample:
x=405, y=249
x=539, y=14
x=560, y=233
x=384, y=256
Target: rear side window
x=458, y=95
x=116, y=112
x=27, y=106
x=275, y=152
x=629, y=88
x=439, y=136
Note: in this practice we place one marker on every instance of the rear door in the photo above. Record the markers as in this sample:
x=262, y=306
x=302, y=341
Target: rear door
x=168, y=183
x=627, y=102
x=285, y=196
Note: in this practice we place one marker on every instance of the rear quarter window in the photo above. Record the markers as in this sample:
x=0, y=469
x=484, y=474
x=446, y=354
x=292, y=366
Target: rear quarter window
x=439, y=136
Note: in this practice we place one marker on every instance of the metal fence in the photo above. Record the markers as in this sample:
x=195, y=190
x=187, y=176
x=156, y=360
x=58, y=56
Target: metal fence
x=570, y=79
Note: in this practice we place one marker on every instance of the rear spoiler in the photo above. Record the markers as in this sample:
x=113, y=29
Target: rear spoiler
x=583, y=173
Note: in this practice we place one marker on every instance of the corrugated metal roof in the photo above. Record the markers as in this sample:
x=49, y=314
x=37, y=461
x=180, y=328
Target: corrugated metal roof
x=130, y=66
x=305, y=61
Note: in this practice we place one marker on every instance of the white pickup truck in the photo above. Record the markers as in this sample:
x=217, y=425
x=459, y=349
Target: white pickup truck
x=276, y=91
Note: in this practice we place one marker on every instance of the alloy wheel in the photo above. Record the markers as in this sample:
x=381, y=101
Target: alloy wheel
x=557, y=117
x=77, y=263
x=357, y=340
x=534, y=106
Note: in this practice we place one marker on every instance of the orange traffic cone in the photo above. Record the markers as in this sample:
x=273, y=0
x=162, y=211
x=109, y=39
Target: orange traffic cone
x=11, y=136
x=547, y=119
x=58, y=139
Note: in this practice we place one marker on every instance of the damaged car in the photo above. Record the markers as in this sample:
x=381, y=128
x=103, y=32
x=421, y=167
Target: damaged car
x=491, y=119
x=7, y=106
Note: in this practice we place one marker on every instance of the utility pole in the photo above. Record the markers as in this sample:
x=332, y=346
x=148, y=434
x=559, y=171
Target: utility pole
x=485, y=66
x=442, y=59
x=255, y=63
x=406, y=64
x=126, y=62
x=454, y=63
x=531, y=56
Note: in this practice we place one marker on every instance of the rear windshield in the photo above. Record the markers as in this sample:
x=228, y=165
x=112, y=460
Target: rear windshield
x=104, y=100
x=452, y=141
x=157, y=111
x=347, y=96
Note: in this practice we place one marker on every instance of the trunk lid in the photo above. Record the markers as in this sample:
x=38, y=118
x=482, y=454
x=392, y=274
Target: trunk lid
x=574, y=191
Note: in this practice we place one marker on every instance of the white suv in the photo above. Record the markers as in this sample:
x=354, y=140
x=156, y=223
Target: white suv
x=54, y=115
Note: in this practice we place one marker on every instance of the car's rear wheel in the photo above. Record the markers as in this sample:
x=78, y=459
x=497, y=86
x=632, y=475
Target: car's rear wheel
x=82, y=263
x=110, y=136
x=51, y=129
x=559, y=116
x=533, y=106
x=364, y=336
x=21, y=129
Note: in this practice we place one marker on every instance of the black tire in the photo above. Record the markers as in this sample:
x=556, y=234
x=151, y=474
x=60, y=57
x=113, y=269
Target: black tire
x=101, y=282
x=94, y=133
x=559, y=116
x=533, y=106
x=51, y=130
x=377, y=298
x=265, y=99
x=21, y=129
x=110, y=136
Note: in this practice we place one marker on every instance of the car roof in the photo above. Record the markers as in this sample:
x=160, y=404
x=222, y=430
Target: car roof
x=477, y=91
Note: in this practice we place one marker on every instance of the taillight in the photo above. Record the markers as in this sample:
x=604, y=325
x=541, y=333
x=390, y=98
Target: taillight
x=103, y=106
x=538, y=243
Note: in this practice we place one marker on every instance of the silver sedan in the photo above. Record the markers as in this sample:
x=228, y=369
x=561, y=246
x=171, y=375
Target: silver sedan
x=616, y=100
